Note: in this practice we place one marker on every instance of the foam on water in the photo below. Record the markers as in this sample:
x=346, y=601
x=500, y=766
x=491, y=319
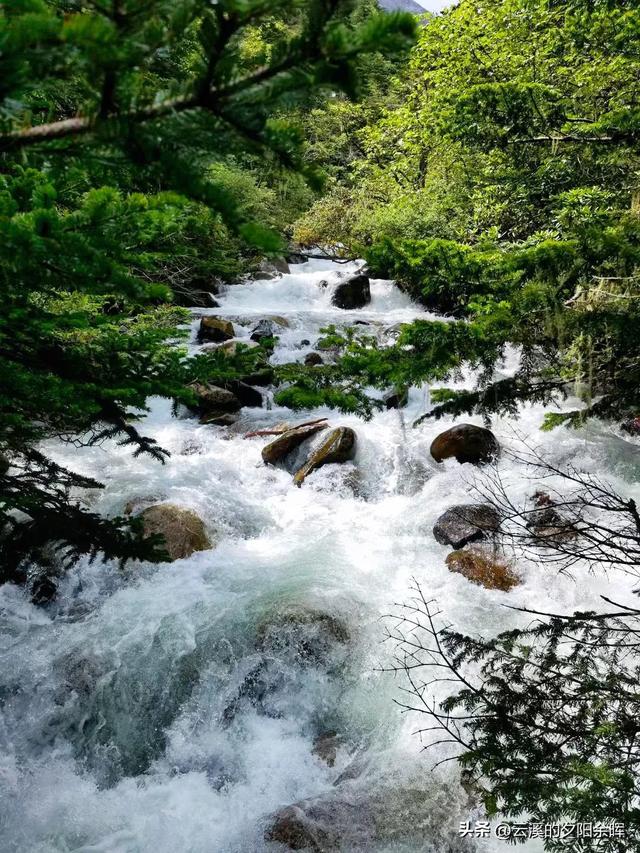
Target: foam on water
x=143, y=713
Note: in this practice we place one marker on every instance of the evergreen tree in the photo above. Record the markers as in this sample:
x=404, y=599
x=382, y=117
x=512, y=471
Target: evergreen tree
x=504, y=183
x=115, y=118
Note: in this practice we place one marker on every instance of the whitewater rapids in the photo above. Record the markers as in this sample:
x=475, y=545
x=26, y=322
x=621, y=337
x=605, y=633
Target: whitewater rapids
x=115, y=733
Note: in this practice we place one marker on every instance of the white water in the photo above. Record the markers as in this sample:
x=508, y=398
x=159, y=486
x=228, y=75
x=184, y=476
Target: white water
x=112, y=734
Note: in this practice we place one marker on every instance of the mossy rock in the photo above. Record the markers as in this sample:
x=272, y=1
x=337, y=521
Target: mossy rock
x=338, y=446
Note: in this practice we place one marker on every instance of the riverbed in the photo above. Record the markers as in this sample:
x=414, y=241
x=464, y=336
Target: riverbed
x=131, y=716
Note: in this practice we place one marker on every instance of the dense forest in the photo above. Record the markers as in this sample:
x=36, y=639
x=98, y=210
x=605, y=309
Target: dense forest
x=486, y=160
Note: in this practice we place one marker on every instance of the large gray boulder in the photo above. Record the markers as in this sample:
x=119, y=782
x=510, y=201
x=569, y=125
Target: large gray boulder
x=466, y=443
x=338, y=446
x=466, y=523
x=182, y=530
x=354, y=292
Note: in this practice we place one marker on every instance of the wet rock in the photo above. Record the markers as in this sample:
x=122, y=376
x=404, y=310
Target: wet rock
x=215, y=329
x=313, y=359
x=199, y=299
x=263, y=376
x=466, y=523
x=325, y=747
x=295, y=828
x=295, y=256
x=264, y=329
x=338, y=446
x=248, y=396
x=302, y=635
x=396, y=398
x=305, y=342
x=466, y=443
x=218, y=419
x=279, y=320
x=44, y=590
x=269, y=327
x=483, y=569
x=354, y=292
x=389, y=813
x=270, y=269
x=278, y=449
x=547, y=525
x=213, y=400
x=182, y=530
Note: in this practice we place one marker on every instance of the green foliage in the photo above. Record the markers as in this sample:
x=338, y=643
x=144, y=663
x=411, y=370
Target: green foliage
x=497, y=181
x=146, y=153
x=553, y=727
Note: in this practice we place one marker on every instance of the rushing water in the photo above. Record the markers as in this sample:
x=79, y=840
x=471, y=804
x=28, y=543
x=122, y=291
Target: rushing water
x=145, y=711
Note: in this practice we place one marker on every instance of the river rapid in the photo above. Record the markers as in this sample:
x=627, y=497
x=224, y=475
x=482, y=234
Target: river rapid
x=143, y=712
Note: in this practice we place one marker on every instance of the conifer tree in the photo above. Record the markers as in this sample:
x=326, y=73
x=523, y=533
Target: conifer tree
x=113, y=115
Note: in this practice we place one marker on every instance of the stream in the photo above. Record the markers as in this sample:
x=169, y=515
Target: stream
x=177, y=707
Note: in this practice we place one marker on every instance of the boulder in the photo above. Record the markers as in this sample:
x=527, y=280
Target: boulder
x=354, y=292
x=396, y=398
x=296, y=257
x=325, y=747
x=212, y=399
x=292, y=828
x=546, y=524
x=248, y=396
x=290, y=439
x=218, y=419
x=264, y=329
x=263, y=376
x=313, y=359
x=269, y=269
x=483, y=569
x=466, y=523
x=182, y=530
x=302, y=635
x=339, y=820
x=215, y=329
x=44, y=590
x=269, y=327
x=338, y=446
x=466, y=443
